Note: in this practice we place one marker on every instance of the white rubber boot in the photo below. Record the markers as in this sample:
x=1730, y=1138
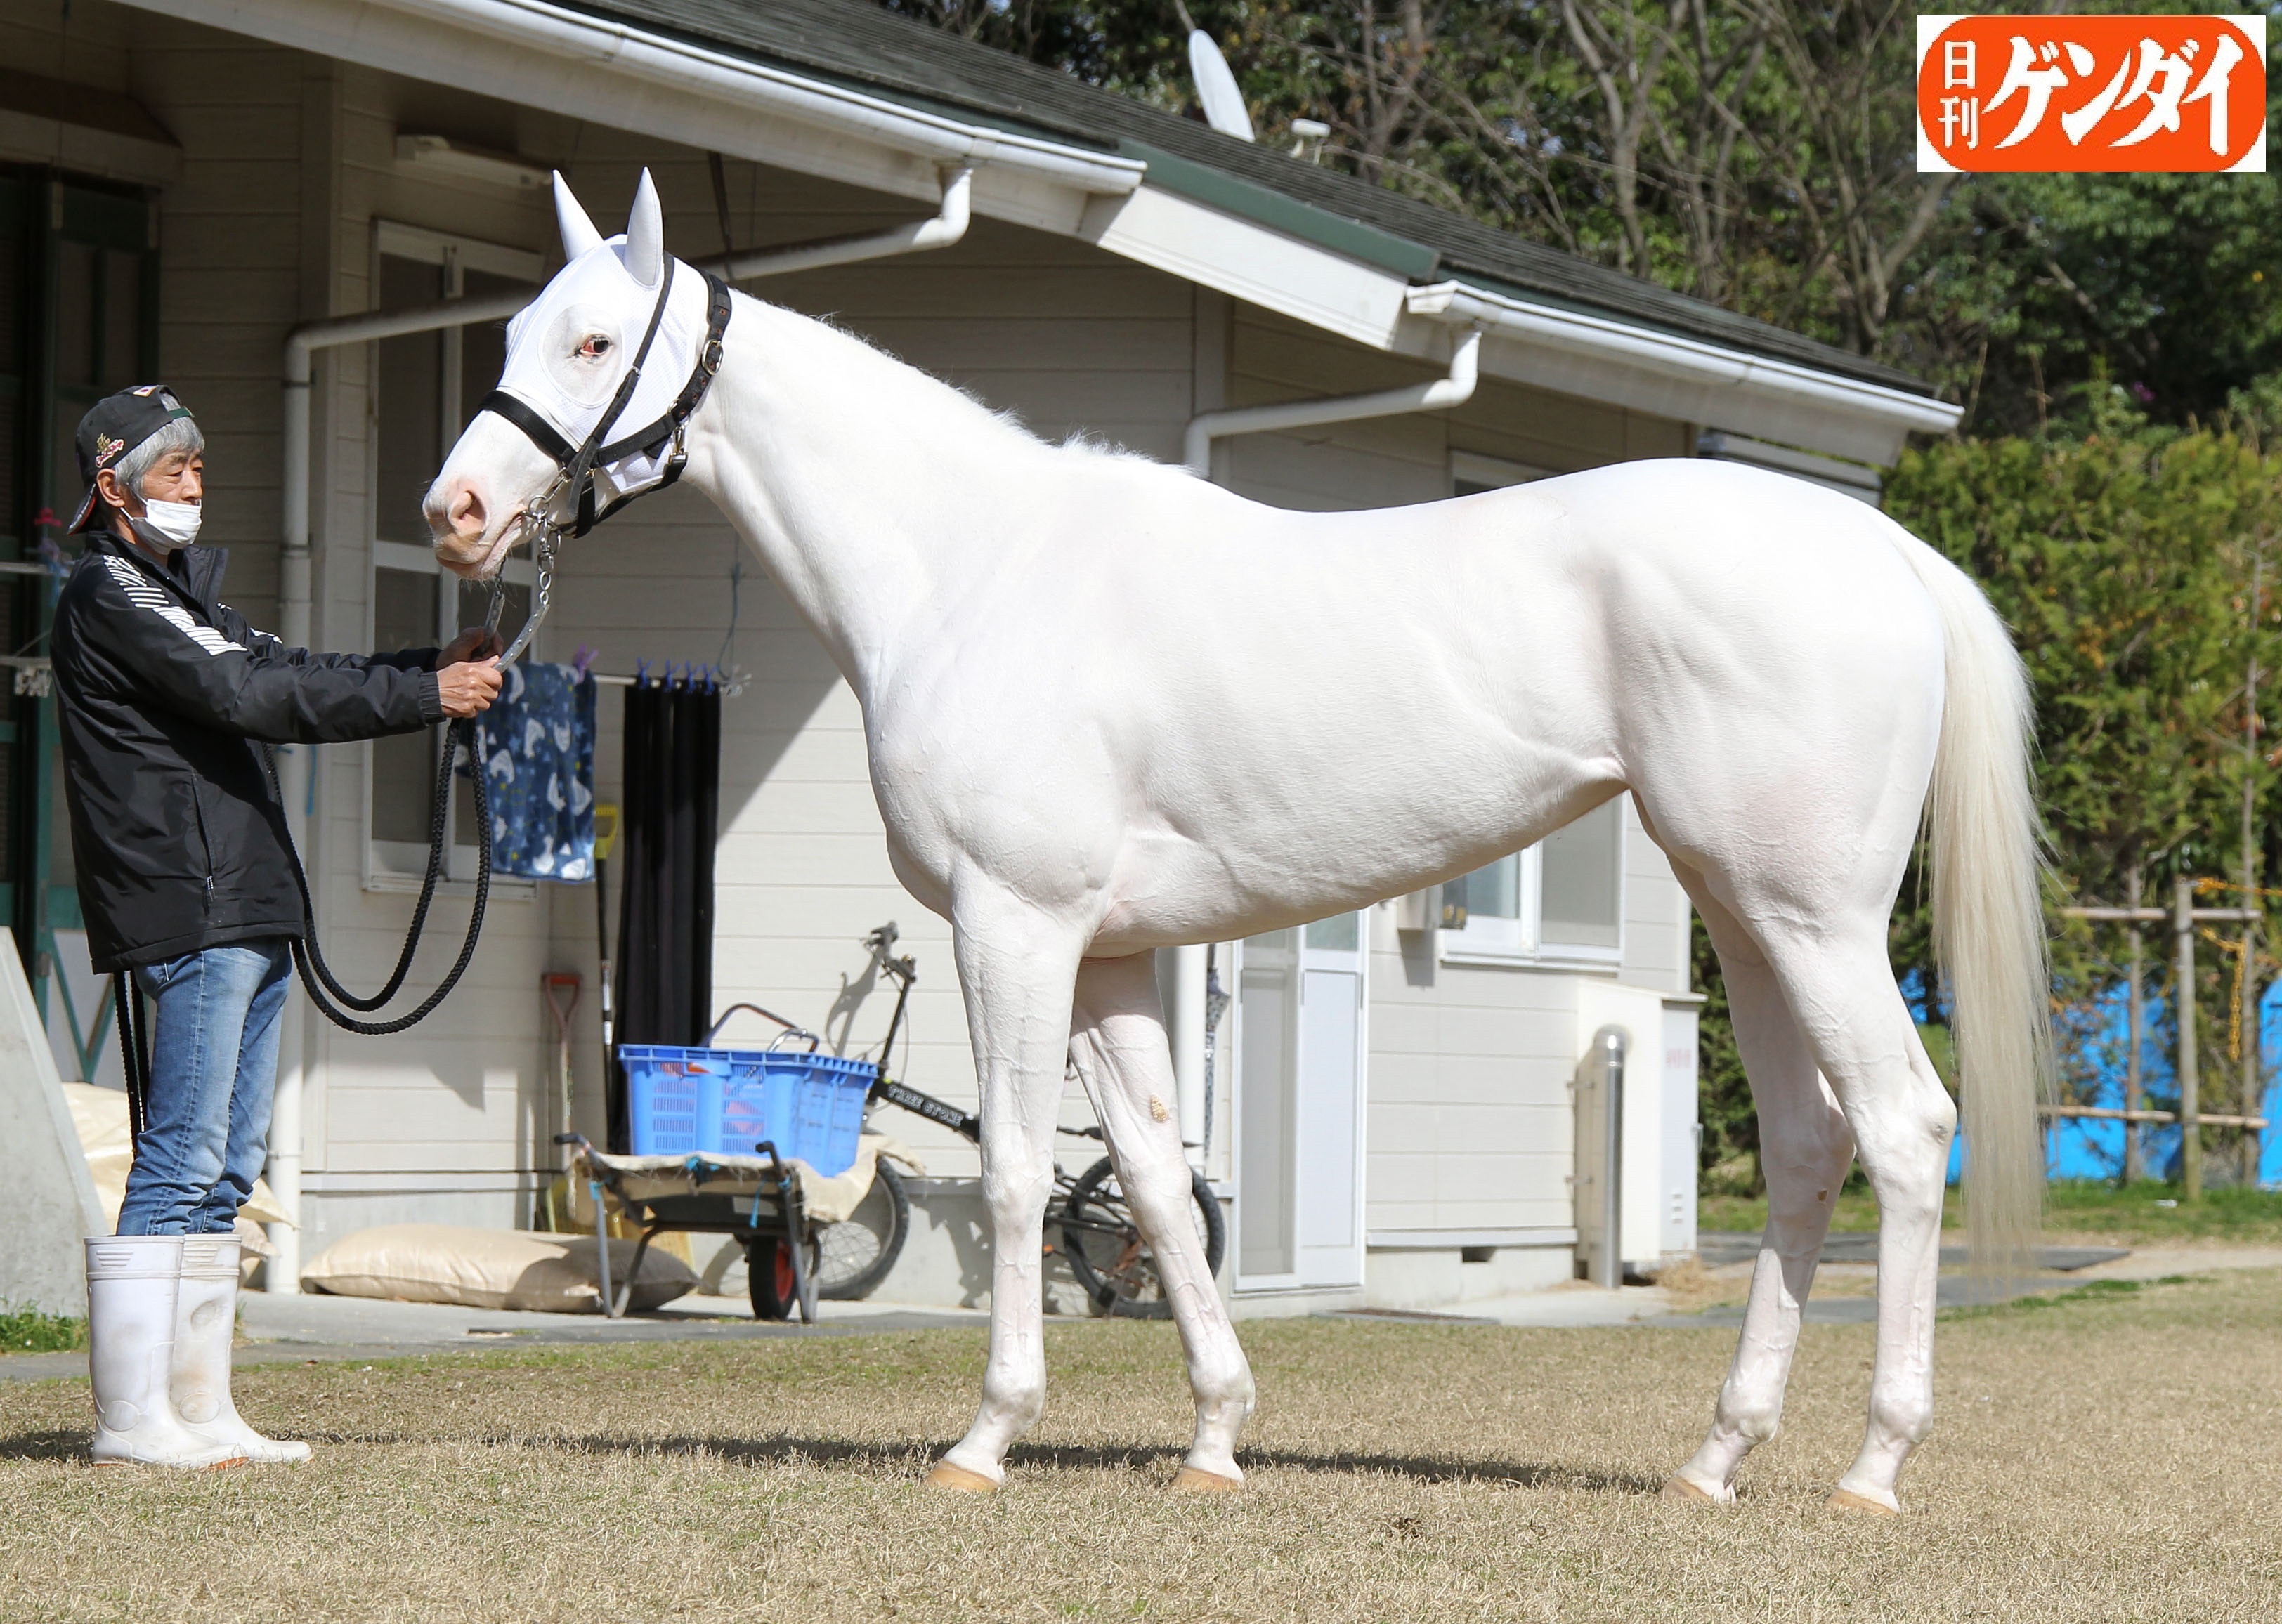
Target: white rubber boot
x=130, y=1349
x=206, y=1320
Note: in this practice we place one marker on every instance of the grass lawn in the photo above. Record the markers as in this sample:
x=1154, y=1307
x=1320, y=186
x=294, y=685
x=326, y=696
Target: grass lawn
x=2075, y=1209
x=2108, y=1457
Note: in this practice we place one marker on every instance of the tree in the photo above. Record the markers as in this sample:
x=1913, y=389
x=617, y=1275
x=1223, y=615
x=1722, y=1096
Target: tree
x=1759, y=154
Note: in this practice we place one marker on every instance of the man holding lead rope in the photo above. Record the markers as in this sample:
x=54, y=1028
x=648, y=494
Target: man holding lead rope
x=167, y=700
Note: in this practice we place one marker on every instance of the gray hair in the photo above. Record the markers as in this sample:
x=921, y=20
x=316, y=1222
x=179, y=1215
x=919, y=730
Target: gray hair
x=179, y=433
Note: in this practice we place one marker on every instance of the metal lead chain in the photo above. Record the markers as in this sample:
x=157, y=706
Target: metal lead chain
x=549, y=536
x=543, y=552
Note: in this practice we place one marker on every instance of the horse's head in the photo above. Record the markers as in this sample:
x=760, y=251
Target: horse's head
x=566, y=353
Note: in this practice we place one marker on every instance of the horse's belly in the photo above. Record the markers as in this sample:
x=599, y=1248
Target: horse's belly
x=1246, y=873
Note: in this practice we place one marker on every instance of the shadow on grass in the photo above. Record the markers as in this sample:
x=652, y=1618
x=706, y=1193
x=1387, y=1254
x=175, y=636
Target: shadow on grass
x=71, y=1444
x=1136, y=1457
x=63, y=1444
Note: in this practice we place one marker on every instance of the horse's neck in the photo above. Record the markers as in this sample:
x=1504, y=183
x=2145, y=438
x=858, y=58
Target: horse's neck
x=871, y=490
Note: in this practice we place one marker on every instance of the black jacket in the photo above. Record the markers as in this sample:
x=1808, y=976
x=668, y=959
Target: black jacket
x=179, y=841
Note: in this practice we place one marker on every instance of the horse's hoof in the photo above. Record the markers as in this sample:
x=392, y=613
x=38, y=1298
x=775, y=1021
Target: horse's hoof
x=1847, y=1500
x=1193, y=1480
x=1687, y=1493
x=959, y=1480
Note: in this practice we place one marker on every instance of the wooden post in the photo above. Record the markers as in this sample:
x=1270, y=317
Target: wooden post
x=2246, y=971
x=2183, y=1002
x=2135, y=1096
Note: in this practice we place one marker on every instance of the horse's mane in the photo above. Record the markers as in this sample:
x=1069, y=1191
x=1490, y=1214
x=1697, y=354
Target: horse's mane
x=1077, y=443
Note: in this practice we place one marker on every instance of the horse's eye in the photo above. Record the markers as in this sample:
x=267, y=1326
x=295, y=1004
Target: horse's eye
x=594, y=348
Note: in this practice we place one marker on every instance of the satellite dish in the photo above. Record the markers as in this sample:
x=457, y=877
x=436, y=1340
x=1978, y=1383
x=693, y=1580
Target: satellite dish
x=1216, y=88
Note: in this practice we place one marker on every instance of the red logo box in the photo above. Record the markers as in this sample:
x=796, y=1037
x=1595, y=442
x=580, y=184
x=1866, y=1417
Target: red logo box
x=2091, y=95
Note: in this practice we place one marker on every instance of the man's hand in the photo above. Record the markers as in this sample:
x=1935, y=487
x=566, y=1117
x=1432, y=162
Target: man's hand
x=469, y=686
x=473, y=644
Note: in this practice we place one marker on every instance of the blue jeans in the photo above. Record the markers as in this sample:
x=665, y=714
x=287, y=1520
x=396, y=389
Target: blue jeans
x=213, y=1073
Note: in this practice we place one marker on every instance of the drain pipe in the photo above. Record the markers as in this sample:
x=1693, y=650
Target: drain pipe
x=1455, y=389
x=1186, y=1019
x=944, y=227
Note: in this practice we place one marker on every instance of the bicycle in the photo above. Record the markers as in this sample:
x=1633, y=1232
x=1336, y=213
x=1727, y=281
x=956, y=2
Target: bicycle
x=1100, y=1239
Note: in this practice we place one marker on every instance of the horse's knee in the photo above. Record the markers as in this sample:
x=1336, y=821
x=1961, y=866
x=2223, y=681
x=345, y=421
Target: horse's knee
x=1015, y=1184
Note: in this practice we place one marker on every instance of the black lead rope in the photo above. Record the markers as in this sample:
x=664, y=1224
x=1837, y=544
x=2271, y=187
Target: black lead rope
x=133, y=1050
x=309, y=959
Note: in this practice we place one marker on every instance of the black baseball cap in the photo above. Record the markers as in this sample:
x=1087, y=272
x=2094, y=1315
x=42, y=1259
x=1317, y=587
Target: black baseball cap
x=114, y=426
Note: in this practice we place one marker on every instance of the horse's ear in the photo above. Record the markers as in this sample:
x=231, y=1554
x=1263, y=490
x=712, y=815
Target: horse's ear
x=646, y=236
x=578, y=233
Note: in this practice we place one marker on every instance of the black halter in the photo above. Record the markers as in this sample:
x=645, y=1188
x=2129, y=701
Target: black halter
x=575, y=466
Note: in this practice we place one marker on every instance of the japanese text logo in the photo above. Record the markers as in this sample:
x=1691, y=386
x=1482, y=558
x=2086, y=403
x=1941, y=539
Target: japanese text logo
x=2047, y=94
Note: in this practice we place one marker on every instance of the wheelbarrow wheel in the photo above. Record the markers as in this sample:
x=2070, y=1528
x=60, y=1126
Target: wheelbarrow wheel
x=855, y=1256
x=1106, y=1254
x=769, y=1273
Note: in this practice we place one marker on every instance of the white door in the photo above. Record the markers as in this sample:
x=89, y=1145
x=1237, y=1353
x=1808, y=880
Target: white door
x=1299, y=1100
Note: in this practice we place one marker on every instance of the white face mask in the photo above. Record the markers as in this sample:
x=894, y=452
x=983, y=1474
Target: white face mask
x=166, y=526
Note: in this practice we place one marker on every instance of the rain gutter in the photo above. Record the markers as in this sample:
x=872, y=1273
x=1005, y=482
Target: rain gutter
x=1680, y=359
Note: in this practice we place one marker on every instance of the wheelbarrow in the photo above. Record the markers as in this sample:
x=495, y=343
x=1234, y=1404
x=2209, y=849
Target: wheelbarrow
x=757, y=1200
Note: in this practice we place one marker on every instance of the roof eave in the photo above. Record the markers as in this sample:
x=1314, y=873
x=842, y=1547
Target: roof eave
x=1707, y=383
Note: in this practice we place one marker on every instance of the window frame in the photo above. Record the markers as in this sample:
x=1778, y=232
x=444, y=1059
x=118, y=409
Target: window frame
x=1473, y=468
x=397, y=866
x=1520, y=941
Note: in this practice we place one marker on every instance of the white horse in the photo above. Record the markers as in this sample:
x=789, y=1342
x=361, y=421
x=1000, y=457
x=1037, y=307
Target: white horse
x=1111, y=708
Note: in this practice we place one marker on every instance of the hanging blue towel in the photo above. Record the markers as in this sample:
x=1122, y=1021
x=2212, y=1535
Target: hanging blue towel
x=538, y=745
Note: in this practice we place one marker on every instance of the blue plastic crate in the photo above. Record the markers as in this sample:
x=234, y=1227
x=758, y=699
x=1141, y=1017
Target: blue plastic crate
x=723, y=1102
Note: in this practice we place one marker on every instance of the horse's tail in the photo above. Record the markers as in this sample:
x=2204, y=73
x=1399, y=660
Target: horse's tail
x=1988, y=913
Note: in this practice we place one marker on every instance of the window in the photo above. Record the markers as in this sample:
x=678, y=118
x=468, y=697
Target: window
x=424, y=389
x=1471, y=473
x=1560, y=899
x=1563, y=898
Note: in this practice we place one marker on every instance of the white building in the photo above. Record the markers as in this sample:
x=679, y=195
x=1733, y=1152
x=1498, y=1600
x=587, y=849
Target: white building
x=190, y=182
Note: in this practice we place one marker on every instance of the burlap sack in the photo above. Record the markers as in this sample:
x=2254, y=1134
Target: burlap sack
x=100, y=1116
x=489, y=1268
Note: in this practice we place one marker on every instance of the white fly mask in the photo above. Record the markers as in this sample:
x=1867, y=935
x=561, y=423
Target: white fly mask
x=568, y=353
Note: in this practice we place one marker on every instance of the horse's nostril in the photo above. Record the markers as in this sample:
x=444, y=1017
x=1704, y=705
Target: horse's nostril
x=466, y=511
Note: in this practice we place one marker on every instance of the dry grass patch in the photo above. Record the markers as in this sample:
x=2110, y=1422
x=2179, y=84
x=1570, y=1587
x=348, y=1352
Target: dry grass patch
x=2106, y=1458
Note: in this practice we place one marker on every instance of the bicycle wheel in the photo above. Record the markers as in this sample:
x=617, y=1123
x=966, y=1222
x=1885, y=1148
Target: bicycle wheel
x=1106, y=1250
x=769, y=1276
x=853, y=1257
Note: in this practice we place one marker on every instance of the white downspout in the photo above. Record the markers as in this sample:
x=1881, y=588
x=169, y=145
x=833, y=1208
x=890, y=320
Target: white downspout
x=1185, y=1020
x=1455, y=389
x=944, y=227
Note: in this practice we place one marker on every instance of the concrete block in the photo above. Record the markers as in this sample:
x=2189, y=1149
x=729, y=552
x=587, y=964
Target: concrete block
x=53, y=1206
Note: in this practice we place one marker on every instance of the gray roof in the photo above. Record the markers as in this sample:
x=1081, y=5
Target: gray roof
x=859, y=45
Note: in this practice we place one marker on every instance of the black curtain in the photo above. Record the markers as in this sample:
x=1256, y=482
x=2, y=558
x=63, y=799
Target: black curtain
x=669, y=804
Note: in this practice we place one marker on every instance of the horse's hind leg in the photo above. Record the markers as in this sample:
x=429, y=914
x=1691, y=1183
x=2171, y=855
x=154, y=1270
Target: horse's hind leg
x=1117, y=1041
x=1803, y=1149
x=1841, y=990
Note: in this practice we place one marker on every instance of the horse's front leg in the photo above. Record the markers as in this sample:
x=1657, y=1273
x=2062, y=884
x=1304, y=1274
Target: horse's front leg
x=1117, y=1041
x=1017, y=969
